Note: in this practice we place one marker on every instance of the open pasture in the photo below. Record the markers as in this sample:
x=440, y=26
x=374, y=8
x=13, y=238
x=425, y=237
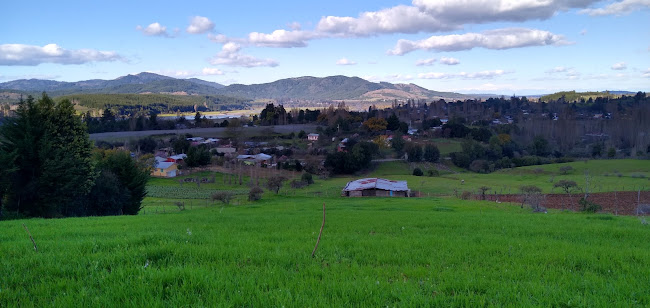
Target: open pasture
x=374, y=252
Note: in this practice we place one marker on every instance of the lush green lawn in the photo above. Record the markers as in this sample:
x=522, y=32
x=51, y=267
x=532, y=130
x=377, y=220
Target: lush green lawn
x=374, y=252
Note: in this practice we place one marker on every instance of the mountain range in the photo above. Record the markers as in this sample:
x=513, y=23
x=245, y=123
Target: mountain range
x=300, y=88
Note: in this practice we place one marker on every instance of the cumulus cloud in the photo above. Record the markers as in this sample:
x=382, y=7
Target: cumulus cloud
x=230, y=55
x=619, y=66
x=485, y=11
x=449, y=61
x=281, y=38
x=345, y=61
x=492, y=39
x=421, y=16
x=619, y=8
x=30, y=55
x=200, y=24
x=425, y=62
x=154, y=29
x=463, y=75
x=398, y=19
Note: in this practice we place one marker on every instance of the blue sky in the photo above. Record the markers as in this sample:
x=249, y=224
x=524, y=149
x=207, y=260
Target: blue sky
x=468, y=46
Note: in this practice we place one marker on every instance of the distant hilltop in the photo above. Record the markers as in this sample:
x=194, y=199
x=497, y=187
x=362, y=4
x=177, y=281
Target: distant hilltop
x=300, y=88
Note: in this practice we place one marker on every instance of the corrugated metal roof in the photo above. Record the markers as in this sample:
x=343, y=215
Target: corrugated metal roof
x=164, y=164
x=372, y=183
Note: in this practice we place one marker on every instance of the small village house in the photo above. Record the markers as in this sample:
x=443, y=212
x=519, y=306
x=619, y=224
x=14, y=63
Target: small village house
x=376, y=187
x=165, y=169
x=312, y=137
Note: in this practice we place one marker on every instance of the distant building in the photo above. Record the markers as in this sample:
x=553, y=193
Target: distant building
x=165, y=169
x=226, y=150
x=376, y=187
x=312, y=137
x=255, y=159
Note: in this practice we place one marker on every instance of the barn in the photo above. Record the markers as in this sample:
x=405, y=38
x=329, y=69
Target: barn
x=376, y=187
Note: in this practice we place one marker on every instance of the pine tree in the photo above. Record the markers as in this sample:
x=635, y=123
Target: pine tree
x=52, y=172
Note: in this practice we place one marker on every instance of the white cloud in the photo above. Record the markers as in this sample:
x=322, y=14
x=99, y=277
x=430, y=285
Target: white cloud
x=619, y=8
x=206, y=71
x=210, y=71
x=230, y=55
x=646, y=73
x=492, y=39
x=449, y=61
x=200, y=24
x=30, y=55
x=463, y=75
x=154, y=29
x=619, y=66
x=281, y=38
x=425, y=62
x=485, y=11
x=398, y=19
x=345, y=61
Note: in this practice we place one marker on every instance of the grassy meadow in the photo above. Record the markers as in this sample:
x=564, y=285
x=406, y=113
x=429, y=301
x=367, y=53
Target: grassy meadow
x=431, y=251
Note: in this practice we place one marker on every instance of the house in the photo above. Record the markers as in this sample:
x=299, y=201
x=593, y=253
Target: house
x=226, y=150
x=178, y=158
x=255, y=159
x=165, y=169
x=342, y=145
x=210, y=141
x=376, y=187
x=312, y=137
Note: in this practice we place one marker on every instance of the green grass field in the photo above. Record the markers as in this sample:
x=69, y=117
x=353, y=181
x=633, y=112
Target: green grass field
x=434, y=251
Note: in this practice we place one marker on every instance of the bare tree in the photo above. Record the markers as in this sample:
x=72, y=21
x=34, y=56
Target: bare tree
x=567, y=186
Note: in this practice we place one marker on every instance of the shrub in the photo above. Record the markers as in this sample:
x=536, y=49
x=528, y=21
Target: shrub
x=223, y=196
x=566, y=169
x=307, y=177
x=588, y=206
x=465, y=195
x=255, y=194
x=417, y=172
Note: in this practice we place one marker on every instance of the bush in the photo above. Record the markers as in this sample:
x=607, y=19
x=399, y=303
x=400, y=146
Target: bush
x=417, y=172
x=588, y=206
x=255, y=194
x=307, y=177
x=223, y=196
x=466, y=195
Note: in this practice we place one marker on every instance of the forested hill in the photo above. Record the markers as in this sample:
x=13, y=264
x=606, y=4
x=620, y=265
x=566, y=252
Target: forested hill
x=300, y=88
x=140, y=83
x=333, y=88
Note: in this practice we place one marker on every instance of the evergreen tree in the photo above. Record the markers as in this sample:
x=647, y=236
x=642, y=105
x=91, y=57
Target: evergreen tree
x=52, y=170
x=131, y=175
